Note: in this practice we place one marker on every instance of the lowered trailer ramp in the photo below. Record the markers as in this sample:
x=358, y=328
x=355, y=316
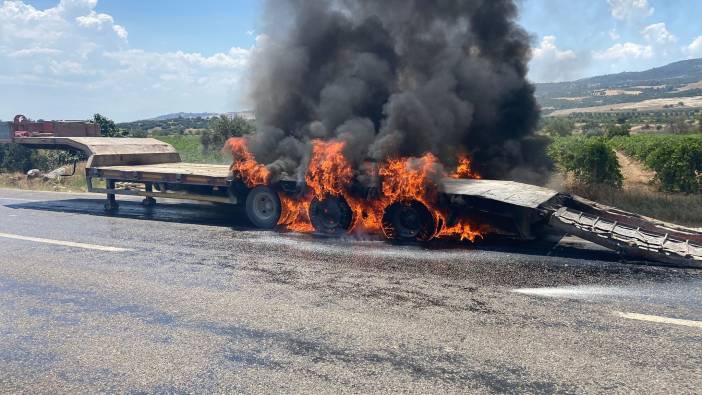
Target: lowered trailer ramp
x=533, y=210
x=629, y=234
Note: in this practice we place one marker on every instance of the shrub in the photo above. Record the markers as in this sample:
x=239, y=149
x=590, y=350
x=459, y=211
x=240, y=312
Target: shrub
x=615, y=130
x=558, y=127
x=677, y=165
x=222, y=128
x=589, y=159
x=16, y=158
x=108, y=127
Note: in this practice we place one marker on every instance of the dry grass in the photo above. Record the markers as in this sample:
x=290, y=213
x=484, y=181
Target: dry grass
x=677, y=208
x=74, y=183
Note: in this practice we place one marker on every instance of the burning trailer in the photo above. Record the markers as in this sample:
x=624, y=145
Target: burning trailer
x=405, y=199
x=414, y=199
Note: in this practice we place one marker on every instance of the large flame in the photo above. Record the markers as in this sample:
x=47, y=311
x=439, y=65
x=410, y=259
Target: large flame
x=245, y=165
x=330, y=174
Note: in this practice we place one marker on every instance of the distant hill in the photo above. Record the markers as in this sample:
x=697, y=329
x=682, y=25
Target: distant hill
x=184, y=115
x=178, y=123
x=676, y=80
x=248, y=115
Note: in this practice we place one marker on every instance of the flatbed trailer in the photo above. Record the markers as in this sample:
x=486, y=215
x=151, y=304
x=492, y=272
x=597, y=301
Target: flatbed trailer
x=153, y=169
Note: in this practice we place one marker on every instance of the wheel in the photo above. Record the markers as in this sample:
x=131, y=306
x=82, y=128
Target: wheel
x=408, y=221
x=263, y=207
x=331, y=215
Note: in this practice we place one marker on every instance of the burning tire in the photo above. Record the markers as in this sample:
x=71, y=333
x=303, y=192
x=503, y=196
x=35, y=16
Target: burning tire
x=408, y=221
x=331, y=215
x=263, y=207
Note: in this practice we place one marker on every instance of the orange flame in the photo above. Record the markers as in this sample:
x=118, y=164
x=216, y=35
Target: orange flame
x=330, y=174
x=245, y=165
x=464, y=168
x=295, y=215
x=461, y=229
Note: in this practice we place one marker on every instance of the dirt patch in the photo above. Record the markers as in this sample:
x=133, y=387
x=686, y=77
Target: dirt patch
x=636, y=176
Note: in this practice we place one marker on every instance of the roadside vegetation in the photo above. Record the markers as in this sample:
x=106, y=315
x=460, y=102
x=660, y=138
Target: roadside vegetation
x=196, y=145
x=587, y=155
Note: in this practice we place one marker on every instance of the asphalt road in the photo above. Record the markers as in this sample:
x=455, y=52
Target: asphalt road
x=178, y=300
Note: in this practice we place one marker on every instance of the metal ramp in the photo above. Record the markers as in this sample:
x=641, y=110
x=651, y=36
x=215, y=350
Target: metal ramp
x=632, y=235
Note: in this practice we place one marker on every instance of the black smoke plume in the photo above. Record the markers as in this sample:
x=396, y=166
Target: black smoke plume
x=393, y=78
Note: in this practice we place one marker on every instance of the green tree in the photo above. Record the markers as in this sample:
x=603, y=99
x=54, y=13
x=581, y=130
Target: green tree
x=558, y=127
x=222, y=128
x=589, y=159
x=614, y=130
x=678, y=125
x=107, y=126
x=16, y=158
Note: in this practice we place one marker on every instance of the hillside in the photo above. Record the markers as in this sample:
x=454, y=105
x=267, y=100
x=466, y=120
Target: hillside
x=184, y=115
x=676, y=80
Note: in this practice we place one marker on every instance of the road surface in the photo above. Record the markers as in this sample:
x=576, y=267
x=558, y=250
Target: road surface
x=177, y=299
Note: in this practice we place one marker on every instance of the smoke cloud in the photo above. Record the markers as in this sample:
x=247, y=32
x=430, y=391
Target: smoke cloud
x=393, y=78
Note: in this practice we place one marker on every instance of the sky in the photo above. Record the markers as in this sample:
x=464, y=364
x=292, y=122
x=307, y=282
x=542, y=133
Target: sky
x=136, y=59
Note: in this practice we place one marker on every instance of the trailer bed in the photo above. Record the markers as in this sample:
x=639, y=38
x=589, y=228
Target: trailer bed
x=179, y=172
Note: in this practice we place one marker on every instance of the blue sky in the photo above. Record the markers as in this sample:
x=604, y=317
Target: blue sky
x=132, y=59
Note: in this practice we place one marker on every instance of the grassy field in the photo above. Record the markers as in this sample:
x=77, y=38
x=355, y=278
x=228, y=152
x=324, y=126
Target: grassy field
x=191, y=150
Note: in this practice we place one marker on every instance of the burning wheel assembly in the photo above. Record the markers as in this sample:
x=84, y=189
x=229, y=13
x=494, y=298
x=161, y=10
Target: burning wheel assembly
x=410, y=220
x=263, y=207
x=332, y=215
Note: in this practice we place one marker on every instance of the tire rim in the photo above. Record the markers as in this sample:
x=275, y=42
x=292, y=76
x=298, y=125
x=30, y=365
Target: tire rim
x=331, y=215
x=409, y=224
x=264, y=207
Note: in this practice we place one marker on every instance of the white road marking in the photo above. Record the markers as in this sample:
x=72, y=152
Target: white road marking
x=65, y=243
x=659, y=319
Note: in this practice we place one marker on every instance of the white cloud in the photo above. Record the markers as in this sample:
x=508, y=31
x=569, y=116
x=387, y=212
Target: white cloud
x=121, y=31
x=630, y=9
x=614, y=35
x=95, y=20
x=27, y=52
x=182, y=63
x=694, y=49
x=658, y=34
x=550, y=64
x=626, y=51
x=83, y=53
x=65, y=67
x=548, y=49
